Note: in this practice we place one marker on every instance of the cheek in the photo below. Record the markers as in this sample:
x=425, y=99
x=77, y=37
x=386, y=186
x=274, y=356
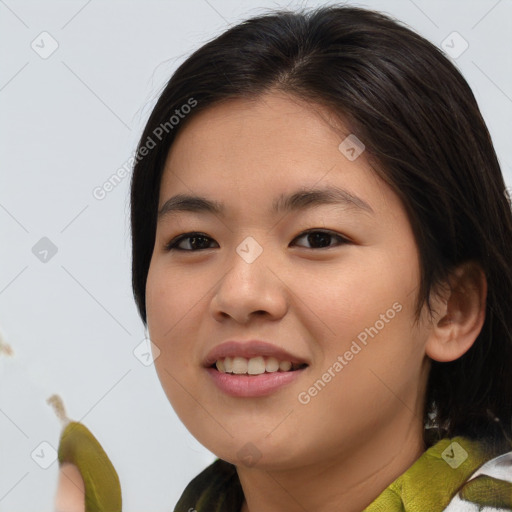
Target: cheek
x=366, y=315
x=348, y=297
x=170, y=300
x=171, y=295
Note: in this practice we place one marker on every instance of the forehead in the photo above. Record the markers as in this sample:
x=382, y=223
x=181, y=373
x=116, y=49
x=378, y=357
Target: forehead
x=271, y=123
x=269, y=145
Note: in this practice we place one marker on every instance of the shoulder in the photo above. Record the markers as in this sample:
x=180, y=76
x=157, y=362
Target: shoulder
x=456, y=474
x=488, y=486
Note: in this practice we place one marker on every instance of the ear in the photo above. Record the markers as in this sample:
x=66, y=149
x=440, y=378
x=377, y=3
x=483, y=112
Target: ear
x=458, y=313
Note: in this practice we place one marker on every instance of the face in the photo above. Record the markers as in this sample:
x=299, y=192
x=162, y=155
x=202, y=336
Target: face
x=327, y=279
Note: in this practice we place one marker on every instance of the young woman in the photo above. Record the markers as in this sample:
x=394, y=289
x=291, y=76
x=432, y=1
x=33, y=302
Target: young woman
x=321, y=244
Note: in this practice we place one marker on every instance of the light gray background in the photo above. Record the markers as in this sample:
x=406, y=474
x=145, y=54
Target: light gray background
x=68, y=122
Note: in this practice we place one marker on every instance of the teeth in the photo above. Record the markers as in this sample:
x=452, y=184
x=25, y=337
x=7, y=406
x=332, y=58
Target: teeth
x=272, y=365
x=239, y=365
x=256, y=366
x=253, y=366
x=228, y=364
x=284, y=366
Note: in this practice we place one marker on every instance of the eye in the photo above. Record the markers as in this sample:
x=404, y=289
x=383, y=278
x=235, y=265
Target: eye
x=321, y=238
x=193, y=242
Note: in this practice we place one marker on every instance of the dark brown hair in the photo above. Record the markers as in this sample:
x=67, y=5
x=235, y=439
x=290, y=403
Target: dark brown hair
x=424, y=135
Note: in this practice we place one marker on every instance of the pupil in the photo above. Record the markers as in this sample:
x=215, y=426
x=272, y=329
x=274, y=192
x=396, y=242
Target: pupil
x=195, y=245
x=319, y=238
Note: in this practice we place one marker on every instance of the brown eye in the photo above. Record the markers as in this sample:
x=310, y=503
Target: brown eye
x=190, y=242
x=321, y=239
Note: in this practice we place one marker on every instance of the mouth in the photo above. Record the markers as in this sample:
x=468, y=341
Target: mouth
x=255, y=365
x=254, y=368
x=253, y=377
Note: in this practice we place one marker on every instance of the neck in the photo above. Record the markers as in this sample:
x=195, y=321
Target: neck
x=347, y=482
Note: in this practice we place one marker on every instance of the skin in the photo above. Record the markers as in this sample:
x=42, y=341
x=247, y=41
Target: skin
x=363, y=429
x=70, y=496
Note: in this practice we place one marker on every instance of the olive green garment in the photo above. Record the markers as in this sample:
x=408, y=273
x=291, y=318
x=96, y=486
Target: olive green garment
x=102, y=488
x=440, y=474
x=429, y=485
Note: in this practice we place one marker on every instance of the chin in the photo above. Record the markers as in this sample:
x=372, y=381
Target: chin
x=253, y=452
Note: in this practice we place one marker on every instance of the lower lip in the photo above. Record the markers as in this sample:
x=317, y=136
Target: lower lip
x=252, y=385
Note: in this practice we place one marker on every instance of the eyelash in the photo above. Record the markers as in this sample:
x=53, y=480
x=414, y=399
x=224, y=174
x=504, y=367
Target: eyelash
x=173, y=244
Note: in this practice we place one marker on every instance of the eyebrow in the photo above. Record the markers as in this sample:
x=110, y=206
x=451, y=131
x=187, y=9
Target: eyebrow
x=299, y=200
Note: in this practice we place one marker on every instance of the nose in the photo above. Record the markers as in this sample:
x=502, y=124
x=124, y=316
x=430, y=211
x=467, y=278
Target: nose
x=250, y=288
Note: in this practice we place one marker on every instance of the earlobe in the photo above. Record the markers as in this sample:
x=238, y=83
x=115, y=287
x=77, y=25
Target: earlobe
x=459, y=313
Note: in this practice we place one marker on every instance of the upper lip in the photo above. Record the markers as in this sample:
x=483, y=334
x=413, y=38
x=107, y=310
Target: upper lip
x=248, y=349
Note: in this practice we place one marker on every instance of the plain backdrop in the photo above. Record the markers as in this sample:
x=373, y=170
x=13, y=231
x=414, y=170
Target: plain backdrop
x=77, y=82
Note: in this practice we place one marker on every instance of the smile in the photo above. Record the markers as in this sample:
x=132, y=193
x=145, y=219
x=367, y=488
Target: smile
x=255, y=365
x=249, y=386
